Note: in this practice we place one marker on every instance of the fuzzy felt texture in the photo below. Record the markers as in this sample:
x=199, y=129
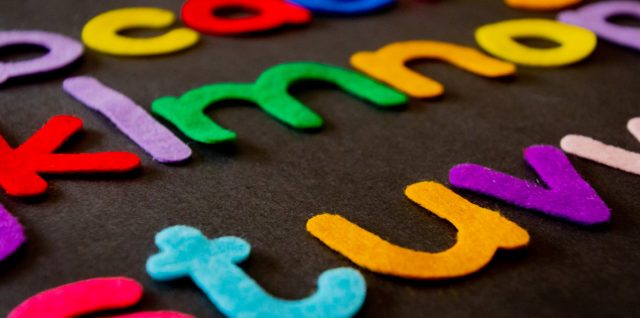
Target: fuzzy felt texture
x=11, y=233
x=594, y=16
x=62, y=52
x=566, y=195
x=597, y=151
x=481, y=233
x=541, y=5
x=388, y=65
x=344, y=7
x=266, y=15
x=102, y=32
x=86, y=297
x=155, y=314
x=270, y=93
x=130, y=118
x=20, y=167
x=498, y=39
x=212, y=264
x=80, y=298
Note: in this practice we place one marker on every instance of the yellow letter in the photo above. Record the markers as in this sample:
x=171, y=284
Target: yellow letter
x=101, y=33
x=480, y=233
x=499, y=39
x=388, y=65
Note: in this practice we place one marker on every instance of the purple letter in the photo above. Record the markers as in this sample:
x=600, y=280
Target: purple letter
x=130, y=118
x=11, y=234
x=594, y=17
x=62, y=52
x=566, y=194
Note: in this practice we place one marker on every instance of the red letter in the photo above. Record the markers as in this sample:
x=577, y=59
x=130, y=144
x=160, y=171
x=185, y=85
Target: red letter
x=266, y=15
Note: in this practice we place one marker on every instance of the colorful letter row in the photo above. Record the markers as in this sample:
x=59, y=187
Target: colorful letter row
x=384, y=81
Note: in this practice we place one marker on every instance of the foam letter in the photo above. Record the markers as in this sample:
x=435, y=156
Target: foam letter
x=346, y=7
x=597, y=151
x=19, y=173
x=101, y=33
x=62, y=52
x=566, y=194
x=594, y=17
x=86, y=297
x=11, y=233
x=266, y=15
x=541, y=4
x=212, y=264
x=388, y=65
x=499, y=39
x=270, y=93
x=130, y=118
x=481, y=233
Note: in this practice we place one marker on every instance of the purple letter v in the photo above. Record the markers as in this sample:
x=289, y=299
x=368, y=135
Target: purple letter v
x=568, y=196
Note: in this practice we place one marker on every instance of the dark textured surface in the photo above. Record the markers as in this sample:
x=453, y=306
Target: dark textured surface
x=274, y=178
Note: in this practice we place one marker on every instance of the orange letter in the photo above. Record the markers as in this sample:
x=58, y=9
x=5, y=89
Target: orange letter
x=541, y=4
x=481, y=233
x=387, y=65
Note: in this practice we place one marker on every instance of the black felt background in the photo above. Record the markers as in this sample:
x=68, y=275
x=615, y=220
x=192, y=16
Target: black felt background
x=274, y=178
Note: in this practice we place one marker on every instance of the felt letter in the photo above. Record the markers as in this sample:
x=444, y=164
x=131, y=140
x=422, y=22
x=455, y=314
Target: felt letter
x=541, y=4
x=62, y=52
x=265, y=15
x=344, y=7
x=499, y=39
x=566, y=195
x=594, y=17
x=19, y=167
x=388, y=65
x=11, y=233
x=101, y=33
x=212, y=264
x=81, y=298
x=597, y=151
x=130, y=118
x=481, y=233
x=156, y=314
x=86, y=297
x=270, y=93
